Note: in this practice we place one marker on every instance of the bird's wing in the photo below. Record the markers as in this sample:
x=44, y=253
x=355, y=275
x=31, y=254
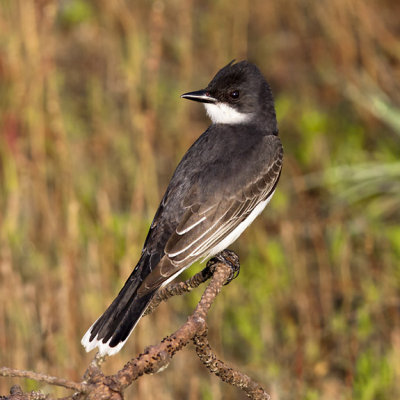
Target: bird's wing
x=205, y=224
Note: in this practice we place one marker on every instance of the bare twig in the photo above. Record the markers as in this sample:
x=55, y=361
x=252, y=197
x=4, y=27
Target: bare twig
x=16, y=393
x=52, y=380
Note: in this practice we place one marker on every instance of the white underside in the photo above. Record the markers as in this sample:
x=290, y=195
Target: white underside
x=105, y=349
x=221, y=113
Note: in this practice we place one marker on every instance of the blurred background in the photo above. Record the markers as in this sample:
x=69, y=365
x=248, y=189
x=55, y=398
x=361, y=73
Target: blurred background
x=92, y=127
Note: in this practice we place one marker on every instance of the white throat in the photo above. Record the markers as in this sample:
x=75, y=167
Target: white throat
x=221, y=113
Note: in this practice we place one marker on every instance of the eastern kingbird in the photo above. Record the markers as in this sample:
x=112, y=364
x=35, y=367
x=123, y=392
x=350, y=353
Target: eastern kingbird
x=220, y=186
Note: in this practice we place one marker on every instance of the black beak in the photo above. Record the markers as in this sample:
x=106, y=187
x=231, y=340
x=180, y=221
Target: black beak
x=200, y=95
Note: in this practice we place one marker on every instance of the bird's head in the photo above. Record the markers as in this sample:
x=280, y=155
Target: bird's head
x=237, y=94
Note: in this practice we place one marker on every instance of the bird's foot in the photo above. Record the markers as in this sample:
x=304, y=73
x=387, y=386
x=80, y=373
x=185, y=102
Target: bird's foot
x=229, y=258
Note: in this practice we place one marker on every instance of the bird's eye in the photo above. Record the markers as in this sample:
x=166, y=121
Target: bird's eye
x=234, y=94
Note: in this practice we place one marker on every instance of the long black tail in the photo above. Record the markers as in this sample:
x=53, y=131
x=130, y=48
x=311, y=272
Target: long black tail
x=110, y=332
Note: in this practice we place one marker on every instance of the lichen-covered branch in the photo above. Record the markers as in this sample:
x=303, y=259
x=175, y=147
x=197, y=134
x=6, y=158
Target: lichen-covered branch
x=157, y=357
x=95, y=385
x=226, y=373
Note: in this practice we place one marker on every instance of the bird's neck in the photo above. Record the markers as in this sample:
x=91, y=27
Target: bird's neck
x=267, y=116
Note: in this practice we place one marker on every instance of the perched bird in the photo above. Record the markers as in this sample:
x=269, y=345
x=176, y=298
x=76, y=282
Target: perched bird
x=221, y=185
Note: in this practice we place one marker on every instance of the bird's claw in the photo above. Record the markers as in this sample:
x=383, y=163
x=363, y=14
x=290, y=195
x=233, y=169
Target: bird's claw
x=229, y=258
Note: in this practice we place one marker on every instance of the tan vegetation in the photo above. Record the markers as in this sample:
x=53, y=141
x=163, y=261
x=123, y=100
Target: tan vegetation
x=92, y=127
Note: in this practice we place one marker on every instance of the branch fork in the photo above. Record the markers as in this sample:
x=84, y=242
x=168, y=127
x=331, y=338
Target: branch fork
x=95, y=385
